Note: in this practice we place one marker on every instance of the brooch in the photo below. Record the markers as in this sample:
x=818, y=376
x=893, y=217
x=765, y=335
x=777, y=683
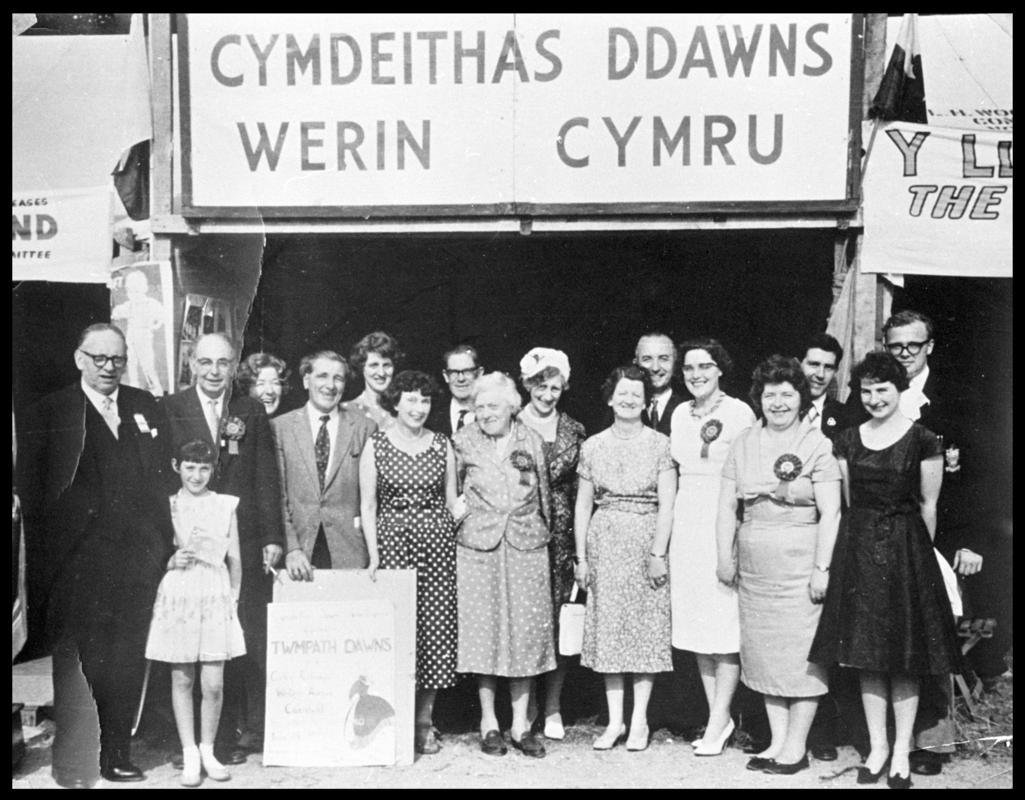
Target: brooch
x=710, y=431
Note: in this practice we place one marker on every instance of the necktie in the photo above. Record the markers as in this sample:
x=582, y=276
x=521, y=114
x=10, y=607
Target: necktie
x=110, y=415
x=653, y=414
x=813, y=416
x=322, y=450
x=212, y=421
x=462, y=419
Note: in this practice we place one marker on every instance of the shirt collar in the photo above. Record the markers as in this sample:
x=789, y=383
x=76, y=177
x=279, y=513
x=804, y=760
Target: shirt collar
x=96, y=398
x=314, y=414
x=918, y=382
x=204, y=399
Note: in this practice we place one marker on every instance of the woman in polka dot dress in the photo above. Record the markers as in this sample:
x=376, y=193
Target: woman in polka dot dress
x=407, y=490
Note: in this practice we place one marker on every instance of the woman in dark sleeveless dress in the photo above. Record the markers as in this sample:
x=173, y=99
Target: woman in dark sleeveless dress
x=407, y=491
x=886, y=611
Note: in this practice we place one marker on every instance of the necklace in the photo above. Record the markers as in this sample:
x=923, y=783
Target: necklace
x=711, y=410
x=618, y=435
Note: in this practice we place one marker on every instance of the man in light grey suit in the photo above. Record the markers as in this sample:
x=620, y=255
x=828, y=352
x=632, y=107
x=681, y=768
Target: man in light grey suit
x=318, y=449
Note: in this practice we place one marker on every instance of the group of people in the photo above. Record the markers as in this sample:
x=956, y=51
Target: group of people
x=773, y=544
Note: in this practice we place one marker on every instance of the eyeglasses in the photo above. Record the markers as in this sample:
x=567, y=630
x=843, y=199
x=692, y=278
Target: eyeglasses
x=912, y=348
x=463, y=373
x=101, y=360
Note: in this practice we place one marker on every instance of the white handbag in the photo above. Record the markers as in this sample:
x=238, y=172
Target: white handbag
x=571, y=625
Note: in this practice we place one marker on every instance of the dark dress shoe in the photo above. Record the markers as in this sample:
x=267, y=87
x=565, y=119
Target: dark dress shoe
x=121, y=771
x=865, y=775
x=426, y=744
x=493, y=744
x=758, y=764
x=529, y=745
x=824, y=752
x=899, y=781
x=925, y=762
x=776, y=768
x=230, y=755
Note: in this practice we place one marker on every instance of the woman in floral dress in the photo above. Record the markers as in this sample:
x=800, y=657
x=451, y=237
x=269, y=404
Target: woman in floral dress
x=627, y=472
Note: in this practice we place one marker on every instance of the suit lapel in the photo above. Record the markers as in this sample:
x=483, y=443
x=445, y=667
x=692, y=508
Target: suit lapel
x=304, y=443
x=196, y=410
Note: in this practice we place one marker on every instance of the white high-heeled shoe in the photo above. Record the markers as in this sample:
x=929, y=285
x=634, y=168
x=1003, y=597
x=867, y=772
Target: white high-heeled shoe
x=716, y=747
x=554, y=728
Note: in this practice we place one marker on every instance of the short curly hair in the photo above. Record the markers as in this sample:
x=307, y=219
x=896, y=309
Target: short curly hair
x=385, y=345
x=711, y=346
x=628, y=372
x=540, y=377
x=409, y=380
x=879, y=367
x=779, y=369
x=501, y=383
x=249, y=371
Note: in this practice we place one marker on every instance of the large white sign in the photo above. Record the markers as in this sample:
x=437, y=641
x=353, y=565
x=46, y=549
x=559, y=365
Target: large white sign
x=939, y=201
x=497, y=113
x=62, y=236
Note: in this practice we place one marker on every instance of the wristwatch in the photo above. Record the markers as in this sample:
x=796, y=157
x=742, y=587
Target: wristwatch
x=821, y=569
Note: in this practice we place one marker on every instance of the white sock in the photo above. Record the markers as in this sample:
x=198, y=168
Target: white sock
x=207, y=753
x=190, y=756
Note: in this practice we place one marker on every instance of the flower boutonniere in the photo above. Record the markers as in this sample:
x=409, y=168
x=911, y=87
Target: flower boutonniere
x=787, y=468
x=232, y=431
x=524, y=462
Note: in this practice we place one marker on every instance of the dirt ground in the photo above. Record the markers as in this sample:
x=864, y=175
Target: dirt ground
x=984, y=761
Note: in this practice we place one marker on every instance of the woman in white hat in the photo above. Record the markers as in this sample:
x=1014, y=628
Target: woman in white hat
x=544, y=373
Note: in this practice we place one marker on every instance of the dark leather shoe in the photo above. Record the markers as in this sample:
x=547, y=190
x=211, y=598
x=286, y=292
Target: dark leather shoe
x=924, y=762
x=493, y=744
x=776, y=768
x=824, y=752
x=529, y=745
x=758, y=764
x=230, y=755
x=426, y=742
x=899, y=781
x=120, y=771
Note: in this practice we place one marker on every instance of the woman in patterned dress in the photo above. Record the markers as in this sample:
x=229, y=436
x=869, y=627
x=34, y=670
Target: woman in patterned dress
x=706, y=617
x=544, y=373
x=886, y=612
x=503, y=579
x=627, y=471
x=408, y=490
x=375, y=358
x=783, y=474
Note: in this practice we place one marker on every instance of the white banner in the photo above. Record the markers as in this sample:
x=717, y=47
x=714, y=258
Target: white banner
x=939, y=201
x=485, y=113
x=62, y=236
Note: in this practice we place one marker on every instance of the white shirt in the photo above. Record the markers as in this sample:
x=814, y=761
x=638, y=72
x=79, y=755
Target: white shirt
x=98, y=400
x=313, y=415
x=204, y=401
x=660, y=401
x=913, y=398
x=819, y=406
x=453, y=415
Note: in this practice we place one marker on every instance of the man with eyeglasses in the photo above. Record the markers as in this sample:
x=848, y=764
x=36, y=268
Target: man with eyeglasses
x=908, y=336
x=90, y=475
x=451, y=413
x=238, y=428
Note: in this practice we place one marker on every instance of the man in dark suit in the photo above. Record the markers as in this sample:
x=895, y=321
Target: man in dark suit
x=657, y=354
x=822, y=354
x=99, y=537
x=455, y=410
x=908, y=336
x=238, y=428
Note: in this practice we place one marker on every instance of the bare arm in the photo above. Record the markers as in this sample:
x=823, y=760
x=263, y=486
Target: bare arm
x=234, y=558
x=932, y=479
x=726, y=532
x=368, y=503
x=658, y=570
x=581, y=521
x=827, y=500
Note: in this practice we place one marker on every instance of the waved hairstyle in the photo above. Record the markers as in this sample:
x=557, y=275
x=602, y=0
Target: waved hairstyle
x=306, y=364
x=779, y=369
x=825, y=342
x=629, y=372
x=879, y=367
x=468, y=349
x=908, y=317
x=197, y=451
x=249, y=371
x=385, y=345
x=409, y=380
x=98, y=327
x=501, y=383
x=713, y=348
x=540, y=377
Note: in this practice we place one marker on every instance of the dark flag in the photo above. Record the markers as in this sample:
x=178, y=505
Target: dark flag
x=131, y=179
x=901, y=94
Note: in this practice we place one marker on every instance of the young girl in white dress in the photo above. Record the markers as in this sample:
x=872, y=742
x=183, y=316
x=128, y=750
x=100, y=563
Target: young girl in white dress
x=194, y=616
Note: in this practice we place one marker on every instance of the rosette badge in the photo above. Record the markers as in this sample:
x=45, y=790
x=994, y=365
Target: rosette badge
x=710, y=431
x=524, y=463
x=232, y=431
x=787, y=468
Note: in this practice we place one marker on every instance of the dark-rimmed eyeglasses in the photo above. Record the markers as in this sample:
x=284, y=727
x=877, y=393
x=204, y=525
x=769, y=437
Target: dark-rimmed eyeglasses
x=912, y=348
x=463, y=373
x=101, y=360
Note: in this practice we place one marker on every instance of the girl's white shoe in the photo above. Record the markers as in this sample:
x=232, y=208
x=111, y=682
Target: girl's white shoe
x=215, y=770
x=190, y=772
